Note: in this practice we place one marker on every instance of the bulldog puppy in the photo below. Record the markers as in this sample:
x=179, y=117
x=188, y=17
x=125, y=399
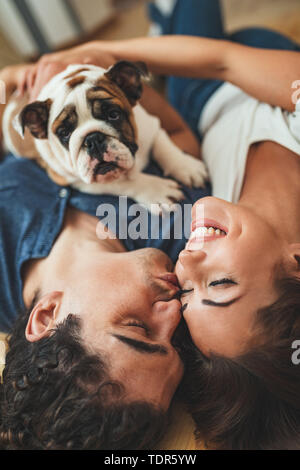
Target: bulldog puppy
x=87, y=131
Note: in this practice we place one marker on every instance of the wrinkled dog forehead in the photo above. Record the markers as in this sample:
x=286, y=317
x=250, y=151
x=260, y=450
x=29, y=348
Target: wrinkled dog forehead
x=70, y=93
x=91, y=104
x=123, y=80
x=67, y=80
x=88, y=92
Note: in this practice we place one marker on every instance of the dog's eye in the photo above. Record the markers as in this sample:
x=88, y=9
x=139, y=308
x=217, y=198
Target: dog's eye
x=64, y=133
x=114, y=114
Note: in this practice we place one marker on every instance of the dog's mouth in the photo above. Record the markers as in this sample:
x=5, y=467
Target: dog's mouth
x=105, y=158
x=105, y=167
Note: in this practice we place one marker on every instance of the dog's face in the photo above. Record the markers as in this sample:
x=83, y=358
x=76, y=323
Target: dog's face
x=84, y=121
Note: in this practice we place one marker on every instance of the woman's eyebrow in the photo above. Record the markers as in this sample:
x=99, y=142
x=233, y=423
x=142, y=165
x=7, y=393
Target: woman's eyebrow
x=142, y=346
x=219, y=304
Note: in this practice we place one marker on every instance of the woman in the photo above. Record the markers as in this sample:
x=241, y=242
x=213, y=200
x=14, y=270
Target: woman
x=242, y=276
x=241, y=296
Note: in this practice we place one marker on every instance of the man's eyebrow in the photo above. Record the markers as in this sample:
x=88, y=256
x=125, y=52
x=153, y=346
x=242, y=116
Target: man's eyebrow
x=219, y=304
x=142, y=346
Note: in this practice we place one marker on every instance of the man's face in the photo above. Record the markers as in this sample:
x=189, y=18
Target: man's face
x=129, y=315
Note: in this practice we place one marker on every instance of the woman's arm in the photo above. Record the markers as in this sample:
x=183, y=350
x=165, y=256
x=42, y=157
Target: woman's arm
x=171, y=121
x=267, y=75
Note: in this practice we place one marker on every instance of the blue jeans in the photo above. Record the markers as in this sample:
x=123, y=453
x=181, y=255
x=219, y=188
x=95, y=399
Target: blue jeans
x=204, y=18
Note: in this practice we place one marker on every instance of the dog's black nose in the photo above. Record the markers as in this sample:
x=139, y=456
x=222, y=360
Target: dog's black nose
x=94, y=143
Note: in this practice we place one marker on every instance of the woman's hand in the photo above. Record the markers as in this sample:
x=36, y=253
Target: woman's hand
x=50, y=64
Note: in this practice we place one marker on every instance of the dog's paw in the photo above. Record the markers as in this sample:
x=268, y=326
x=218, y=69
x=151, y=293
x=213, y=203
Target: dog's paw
x=189, y=171
x=160, y=195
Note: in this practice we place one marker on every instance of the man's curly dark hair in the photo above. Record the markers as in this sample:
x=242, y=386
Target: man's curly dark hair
x=56, y=395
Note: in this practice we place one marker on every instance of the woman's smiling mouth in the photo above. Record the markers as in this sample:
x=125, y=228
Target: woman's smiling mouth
x=208, y=224
x=205, y=231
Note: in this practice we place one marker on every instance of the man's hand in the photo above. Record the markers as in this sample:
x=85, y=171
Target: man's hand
x=36, y=77
x=13, y=76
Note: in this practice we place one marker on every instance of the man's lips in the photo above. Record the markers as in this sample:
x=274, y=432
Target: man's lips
x=170, y=278
x=170, y=287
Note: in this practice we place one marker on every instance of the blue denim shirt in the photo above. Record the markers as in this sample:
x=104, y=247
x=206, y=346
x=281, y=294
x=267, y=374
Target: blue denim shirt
x=32, y=210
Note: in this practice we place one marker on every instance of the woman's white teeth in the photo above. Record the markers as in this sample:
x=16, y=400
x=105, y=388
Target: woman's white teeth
x=201, y=231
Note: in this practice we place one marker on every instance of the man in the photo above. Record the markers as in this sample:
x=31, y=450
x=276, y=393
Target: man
x=92, y=360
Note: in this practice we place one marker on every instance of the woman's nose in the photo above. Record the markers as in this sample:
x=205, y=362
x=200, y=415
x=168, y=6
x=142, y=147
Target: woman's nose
x=166, y=316
x=190, y=259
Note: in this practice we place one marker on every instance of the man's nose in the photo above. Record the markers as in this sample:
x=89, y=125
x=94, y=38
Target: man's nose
x=94, y=143
x=167, y=315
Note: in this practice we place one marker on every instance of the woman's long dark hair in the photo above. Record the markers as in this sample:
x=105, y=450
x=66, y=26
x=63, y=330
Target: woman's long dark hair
x=251, y=401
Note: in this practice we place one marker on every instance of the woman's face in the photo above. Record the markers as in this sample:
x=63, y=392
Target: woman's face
x=229, y=274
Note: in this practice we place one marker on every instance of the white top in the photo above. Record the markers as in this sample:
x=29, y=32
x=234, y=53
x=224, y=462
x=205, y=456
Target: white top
x=232, y=121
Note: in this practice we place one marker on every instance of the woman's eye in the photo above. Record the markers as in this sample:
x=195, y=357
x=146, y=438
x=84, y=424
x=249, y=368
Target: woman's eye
x=183, y=307
x=222, y=281
x=184, y=292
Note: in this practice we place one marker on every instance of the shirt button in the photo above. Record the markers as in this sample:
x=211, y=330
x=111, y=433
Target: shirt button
x=63, y=192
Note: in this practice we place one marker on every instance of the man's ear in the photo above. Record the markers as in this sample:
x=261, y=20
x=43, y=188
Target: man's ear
x=43, y=317
x=128, y=76
x=35, y=116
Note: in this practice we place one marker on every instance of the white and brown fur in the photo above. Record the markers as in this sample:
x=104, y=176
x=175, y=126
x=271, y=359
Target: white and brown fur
x=87, y=131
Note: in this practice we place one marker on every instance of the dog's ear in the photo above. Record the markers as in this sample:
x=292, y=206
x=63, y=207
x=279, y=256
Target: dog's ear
x=35, y=116
x=128, y=76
